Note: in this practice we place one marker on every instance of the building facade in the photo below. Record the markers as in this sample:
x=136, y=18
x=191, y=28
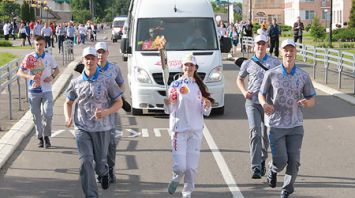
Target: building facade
x=341, y=12
x=263, y=10
x=287, y=11
x=307, y=10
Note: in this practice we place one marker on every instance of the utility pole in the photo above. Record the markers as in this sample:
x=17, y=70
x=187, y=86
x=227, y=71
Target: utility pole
x=228, y=13
x=250, y=11
x=330, y=22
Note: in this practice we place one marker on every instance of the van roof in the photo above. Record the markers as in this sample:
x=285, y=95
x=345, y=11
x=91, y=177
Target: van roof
x=120, y=18
x=185, y=8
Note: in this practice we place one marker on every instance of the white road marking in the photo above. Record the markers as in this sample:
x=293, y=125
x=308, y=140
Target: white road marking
x=226, y=173
x=145, y=133
x=133, y=133
x=55, y=133
x=118, y=133
x=157, y=132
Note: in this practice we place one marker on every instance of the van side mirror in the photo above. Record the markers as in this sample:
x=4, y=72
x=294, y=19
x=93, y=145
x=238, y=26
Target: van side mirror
x=125, y=48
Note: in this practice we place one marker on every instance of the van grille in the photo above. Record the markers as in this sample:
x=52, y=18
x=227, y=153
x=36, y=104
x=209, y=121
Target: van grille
x=158, y=77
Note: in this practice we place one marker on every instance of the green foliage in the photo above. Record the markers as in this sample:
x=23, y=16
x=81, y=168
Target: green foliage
x=104, y=10
x=285, y=28
x=218, y=9
x=352, y=15
x=288, y=34
x=344, y=34
x=308, y=27
x=6, y=57
x=346, y=45
x=5, y=18
x=237, y=17
x=317, y=30
x=324, y=45
x=8, y=9
x=256, y=26
x=81, y=16
x=5, y=43
x=27, y=12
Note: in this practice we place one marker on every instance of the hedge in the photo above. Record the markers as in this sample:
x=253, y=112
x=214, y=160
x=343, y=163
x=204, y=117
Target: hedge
x=4, y=43
x=344, y=34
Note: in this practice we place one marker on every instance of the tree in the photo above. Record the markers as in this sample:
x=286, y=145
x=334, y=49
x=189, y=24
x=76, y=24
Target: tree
x=9, y=9
x=317, y=30
x=25, y=11
x=352, y=15
x=104, y=9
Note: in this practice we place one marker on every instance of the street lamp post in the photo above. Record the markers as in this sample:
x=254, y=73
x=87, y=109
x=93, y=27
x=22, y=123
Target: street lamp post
x=330, y=22
x=228, y=12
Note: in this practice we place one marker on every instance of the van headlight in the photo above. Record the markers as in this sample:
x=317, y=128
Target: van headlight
x=215, y=75
x=142, y=76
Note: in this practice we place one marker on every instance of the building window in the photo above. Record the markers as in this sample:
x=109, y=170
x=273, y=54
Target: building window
x=324, y=3
x=325, y=14
x=309, y=14
x=309, y=1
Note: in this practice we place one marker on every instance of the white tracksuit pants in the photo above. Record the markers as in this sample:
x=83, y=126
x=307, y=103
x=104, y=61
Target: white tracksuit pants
x=186, y=153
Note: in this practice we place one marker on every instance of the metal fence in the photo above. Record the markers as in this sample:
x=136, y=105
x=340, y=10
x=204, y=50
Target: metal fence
x=342, y=63
x=68, y=51
x=8, y=76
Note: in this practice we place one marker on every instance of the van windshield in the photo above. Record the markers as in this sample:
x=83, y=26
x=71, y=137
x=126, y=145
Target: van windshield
x=118, y=24
x=179, y=33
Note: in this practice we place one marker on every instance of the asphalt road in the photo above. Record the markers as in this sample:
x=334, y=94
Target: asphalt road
x=144, y=158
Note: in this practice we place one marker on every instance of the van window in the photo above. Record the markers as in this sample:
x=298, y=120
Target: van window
x=118, y=24
x=180, y=34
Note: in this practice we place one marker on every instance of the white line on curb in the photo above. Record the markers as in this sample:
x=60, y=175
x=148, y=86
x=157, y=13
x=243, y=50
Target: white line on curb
x=226, y=173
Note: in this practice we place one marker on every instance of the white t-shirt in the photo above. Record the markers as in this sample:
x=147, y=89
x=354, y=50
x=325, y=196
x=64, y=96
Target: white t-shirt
x=6, y=29
x=42, y=66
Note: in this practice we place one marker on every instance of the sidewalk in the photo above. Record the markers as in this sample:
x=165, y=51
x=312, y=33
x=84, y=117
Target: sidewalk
x=22, y=125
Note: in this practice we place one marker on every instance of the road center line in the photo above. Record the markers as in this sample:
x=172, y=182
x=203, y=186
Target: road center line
x=226, y=173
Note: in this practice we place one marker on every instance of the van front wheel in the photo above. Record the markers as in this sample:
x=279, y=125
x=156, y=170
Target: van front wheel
x=137, y=111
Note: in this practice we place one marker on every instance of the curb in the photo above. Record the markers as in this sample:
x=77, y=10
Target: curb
x=334, y=92
x=13, y=138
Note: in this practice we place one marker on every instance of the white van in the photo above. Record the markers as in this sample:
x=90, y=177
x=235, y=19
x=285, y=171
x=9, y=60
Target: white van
x=117, y=28
x=188, y=26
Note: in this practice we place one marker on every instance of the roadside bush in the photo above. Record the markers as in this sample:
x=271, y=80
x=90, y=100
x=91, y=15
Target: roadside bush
x=317, y=30
x=4, y=43
x=308, y=27
x=324, y=45
x=285, y=28
x=346, y=45
x=256, y=26
x=344, y=35
x=287, y=34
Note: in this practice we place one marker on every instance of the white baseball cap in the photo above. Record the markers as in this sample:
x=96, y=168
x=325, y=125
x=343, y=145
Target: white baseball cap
x=101, y=45
x=260, y=37
x=89, y=51
x=288, y=42
x=189, y=58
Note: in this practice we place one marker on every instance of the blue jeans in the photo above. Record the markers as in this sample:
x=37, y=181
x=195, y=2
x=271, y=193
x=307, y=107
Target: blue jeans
x=82, y=38
x=41, y=105
x=259, y=142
